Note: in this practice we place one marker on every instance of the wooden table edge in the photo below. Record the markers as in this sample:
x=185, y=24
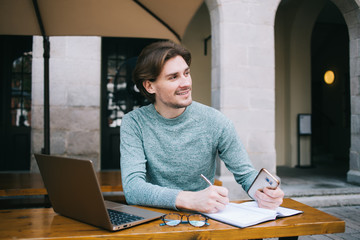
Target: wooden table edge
x=273, y=229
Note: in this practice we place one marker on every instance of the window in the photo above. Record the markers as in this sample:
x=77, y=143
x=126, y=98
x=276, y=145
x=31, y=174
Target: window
x=20, y=105
x=119, y=95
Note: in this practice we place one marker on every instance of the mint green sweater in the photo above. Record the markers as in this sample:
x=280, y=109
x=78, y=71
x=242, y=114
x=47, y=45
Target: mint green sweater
x=161, y=157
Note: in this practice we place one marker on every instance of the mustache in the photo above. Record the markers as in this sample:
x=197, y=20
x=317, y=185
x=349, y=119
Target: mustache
x=183, y=90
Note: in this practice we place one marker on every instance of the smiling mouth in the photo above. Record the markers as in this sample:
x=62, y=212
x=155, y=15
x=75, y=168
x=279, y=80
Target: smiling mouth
x=183, y=92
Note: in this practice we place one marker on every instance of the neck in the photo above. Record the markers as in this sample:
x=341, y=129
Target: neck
x=169, y=113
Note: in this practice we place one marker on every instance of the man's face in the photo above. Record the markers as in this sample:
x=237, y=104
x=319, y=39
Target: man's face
x=172, y=88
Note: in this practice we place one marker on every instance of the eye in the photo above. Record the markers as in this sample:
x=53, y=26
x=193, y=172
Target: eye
x=172, y=77
x=187, y=73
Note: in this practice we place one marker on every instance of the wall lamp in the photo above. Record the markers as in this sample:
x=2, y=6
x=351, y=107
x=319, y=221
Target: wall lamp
x=329, y=77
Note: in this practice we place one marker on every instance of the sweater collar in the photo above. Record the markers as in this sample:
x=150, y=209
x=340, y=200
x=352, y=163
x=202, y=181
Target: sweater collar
x=171, y=121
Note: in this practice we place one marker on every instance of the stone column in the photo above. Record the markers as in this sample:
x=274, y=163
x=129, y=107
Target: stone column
x=351, y=12
x=75, y=66
x=243, y=76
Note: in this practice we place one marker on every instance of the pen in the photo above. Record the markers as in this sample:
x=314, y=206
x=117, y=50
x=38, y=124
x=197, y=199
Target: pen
x=207, y=180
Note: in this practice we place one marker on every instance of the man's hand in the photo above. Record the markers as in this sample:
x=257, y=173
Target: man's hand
x=269, y=198
x=209, y=200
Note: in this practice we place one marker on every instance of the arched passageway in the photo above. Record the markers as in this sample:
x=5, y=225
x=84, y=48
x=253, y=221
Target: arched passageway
x=310, y=38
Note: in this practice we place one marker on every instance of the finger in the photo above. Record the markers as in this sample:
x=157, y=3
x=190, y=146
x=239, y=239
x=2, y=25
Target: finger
x=220, y=206
x=212, y=207
x=221, y=190
x=275, y=196
x=219, y=194
x=261, y=195
x=222, y=195
x=274, y=193
x=266, y=201
x=223, y=200
x=267, y=205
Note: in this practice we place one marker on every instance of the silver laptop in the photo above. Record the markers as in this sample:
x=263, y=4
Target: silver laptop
x=74, y=192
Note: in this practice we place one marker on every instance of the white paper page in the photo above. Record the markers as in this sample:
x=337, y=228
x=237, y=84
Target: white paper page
x=285, y=212
x=243, y=216
x=281, y=211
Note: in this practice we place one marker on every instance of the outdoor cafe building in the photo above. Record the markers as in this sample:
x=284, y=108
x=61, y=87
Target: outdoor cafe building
x=286, y=72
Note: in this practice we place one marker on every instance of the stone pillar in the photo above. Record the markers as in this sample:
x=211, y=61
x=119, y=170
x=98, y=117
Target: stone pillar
x=351, y=12
x=75, y=66
x=243, y=77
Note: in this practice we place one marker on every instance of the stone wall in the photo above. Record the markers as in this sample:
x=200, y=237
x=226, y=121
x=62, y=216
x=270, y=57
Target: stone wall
x=75, y=66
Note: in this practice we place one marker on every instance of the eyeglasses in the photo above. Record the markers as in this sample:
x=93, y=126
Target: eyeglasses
x=174, y=219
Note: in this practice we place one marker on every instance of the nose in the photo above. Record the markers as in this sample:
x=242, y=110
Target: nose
x=185, y=81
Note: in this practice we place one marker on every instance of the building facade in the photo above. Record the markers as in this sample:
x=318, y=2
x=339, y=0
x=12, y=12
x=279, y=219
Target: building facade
x=258, y=62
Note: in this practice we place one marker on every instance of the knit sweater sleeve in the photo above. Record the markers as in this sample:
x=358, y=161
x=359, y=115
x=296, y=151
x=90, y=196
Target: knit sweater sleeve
x=235, y=157
x=133, y=170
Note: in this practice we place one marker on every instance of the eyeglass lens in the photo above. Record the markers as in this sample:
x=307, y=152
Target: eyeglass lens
x=197, y=220
x=174, y=219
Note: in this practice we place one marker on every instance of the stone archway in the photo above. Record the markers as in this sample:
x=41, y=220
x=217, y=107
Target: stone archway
x=351, y=10
x=243, y=52
x=286, y=131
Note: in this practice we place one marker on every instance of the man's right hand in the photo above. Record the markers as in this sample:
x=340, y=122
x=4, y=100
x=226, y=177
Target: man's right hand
x=209, y=200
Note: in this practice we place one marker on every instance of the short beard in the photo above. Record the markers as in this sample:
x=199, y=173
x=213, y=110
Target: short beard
x=177, y=106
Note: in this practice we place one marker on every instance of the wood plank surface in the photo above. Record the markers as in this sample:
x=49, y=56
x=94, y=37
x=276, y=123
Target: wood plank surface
x=44, y=223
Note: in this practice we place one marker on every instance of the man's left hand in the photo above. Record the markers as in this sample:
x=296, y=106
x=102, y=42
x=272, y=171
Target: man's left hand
x=269, y=198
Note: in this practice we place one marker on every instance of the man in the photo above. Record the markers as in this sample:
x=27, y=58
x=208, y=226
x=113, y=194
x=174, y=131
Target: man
x=166, y=145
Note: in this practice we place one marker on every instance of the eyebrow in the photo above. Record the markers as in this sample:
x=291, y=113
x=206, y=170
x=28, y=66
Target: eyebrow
x=175, y=73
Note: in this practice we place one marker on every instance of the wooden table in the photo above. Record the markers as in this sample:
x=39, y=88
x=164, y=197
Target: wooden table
x=45, y=224
x=27, y=184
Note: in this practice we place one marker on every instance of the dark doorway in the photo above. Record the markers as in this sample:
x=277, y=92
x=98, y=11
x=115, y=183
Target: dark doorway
x=118, y=93
x=15, y=120
x=330, y=102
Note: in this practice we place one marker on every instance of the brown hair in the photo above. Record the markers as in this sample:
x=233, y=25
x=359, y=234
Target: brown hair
x=152, y=60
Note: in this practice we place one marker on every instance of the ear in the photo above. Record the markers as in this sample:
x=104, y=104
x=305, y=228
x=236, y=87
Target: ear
x=149, y=87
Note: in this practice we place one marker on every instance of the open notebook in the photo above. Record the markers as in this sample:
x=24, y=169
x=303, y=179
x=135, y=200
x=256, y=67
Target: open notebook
x=248, y=213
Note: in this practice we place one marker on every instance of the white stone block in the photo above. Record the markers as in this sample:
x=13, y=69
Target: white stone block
x=86, y=95
x=264, y=160
x=355, y=86
x=236, y=98
x=84, y=118
x=261, y=142
x=260, y=77
x=75, y=72
x=38, y=48
x=261, y=57
x=37, y=71
x=236, y=11
x=37, y=117
x=58, y=94
x=58, y=142
x=262, y=99
x=75, y=119
x=83, y=143
x=58, y=47
x=262, y=12
x=37, y=93
x=84, y=48
x=249, y=35
x=234, y=57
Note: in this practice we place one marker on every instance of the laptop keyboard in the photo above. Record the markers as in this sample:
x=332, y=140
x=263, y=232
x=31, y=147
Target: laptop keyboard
x=118, y=218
